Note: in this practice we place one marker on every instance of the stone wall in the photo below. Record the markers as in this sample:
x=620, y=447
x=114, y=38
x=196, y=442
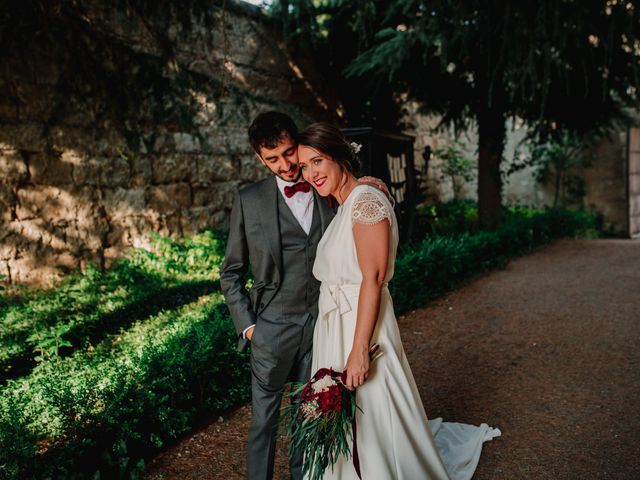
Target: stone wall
x=137, y=127
x=606, y=184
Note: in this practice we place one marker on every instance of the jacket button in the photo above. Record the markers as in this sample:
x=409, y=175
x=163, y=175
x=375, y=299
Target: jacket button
x=261, y=304
x=275, y=284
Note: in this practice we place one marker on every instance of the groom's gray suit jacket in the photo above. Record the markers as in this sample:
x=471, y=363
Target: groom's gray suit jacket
x=255, y=240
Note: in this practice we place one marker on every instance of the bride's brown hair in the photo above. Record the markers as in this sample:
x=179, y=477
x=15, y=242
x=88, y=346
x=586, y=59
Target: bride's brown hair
x=329, y=140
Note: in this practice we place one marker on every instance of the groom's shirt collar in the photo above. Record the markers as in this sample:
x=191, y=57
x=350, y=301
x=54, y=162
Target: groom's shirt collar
x=301, y=204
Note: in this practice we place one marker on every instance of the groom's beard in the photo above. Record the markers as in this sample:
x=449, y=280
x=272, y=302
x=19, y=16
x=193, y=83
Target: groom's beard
x=291, y=175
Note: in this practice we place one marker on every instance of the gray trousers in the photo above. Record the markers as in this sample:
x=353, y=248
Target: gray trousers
x=280, y=353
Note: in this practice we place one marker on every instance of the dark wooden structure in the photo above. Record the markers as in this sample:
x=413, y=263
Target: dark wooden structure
x=389, y=156
x=633, y=184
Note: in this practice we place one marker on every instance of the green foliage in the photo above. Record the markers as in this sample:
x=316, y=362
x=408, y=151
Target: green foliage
x=456, y=165
x=478, y=63
x=126, y=396
x=539, y=60
x=48, y=344
x=198, y=256
x=336, y=32
x=91, y=304
x=152, y=349
x=451, y=218
x=558, y=160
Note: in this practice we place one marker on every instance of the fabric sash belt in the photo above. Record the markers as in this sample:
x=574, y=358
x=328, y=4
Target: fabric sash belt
x=341, y=298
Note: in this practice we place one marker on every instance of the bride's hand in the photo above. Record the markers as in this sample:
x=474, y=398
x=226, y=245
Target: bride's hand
x=357, y=367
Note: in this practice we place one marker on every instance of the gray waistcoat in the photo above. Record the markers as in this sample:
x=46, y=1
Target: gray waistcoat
x=297, y=297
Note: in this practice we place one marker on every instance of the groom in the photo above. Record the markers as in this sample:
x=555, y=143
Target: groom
x=275, y=227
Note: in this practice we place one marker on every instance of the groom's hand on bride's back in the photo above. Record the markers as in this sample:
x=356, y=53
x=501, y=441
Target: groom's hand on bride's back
x=379, y=184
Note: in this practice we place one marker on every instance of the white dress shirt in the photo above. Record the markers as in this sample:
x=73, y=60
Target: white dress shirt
x=301, y=205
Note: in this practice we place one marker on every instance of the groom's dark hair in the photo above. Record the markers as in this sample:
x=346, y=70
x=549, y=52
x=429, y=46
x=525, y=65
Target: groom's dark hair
x=268, y=128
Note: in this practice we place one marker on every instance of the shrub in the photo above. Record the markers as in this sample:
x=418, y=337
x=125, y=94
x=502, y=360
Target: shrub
x=128, y=395
x=91, y=304
x=454, y=217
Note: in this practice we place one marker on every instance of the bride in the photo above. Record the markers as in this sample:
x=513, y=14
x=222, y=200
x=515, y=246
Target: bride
x=354, y=262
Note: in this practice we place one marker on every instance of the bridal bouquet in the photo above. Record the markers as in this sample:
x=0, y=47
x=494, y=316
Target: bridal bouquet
x=321, y=420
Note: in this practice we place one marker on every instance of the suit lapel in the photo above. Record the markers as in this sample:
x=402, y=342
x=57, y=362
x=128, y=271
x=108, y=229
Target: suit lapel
x=269, y=219
x=326, y=213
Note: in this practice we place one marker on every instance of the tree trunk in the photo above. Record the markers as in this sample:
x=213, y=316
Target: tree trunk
x=556, y=195
x=491, y=133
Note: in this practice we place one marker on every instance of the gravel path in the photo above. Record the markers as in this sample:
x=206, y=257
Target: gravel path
x=546, y=349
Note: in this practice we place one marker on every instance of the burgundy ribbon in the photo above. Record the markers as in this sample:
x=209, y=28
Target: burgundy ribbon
x=356, y=457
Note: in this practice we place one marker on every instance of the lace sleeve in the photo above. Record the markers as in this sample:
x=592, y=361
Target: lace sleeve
x=369, y=208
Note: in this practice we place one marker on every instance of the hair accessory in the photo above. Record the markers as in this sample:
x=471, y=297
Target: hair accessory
x=355, y=147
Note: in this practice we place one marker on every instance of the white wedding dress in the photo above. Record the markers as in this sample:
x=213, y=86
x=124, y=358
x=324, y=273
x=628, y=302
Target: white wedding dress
x=395, y=439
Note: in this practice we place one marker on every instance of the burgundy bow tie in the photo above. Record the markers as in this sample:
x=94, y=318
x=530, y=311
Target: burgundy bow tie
x=298, y=187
